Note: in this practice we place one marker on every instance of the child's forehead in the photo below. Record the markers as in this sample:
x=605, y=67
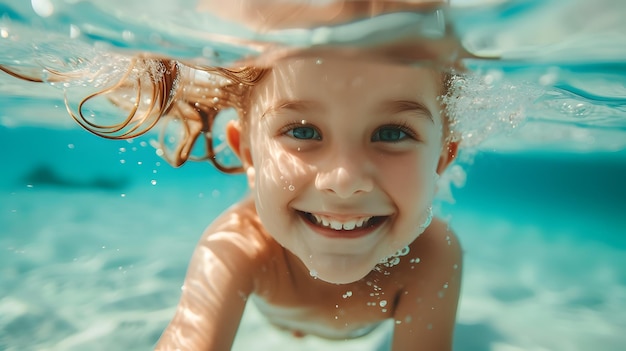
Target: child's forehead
x=307, y=73
x=347, y=65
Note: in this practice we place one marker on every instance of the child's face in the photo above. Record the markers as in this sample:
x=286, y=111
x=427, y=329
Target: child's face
x=352, y=145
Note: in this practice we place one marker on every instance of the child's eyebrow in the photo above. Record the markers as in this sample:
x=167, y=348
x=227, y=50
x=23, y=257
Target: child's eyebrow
x=292, y=105
x=398, y=106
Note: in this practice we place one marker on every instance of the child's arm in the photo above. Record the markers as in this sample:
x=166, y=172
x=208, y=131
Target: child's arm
x=426, y=310
x=218, y=281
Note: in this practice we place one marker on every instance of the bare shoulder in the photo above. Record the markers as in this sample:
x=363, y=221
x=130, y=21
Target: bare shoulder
x=240, y=227
x=438, y=245
x=431, y=281
x=436, y=259
x=220, y=276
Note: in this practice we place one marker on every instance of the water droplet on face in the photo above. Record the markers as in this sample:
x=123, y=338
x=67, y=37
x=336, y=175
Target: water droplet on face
x=319, y=61
x=404, y=251
x=382, y=303
x=292, y=188
x=347, y=294
x=313, y=273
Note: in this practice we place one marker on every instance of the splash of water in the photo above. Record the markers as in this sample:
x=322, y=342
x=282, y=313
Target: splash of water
x=480, y=105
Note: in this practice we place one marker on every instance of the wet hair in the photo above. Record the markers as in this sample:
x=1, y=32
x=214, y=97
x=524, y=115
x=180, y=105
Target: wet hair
x=154, y=90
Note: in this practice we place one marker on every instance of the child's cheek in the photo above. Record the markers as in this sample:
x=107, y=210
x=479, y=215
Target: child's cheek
x=411, y=179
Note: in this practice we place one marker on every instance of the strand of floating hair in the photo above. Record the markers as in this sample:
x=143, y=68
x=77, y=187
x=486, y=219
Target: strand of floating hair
x=167, y=86
x=182, y=151
x=156, y=96
x=20, y=76
x=108, y=131
x=207, y=118
x=97, y=129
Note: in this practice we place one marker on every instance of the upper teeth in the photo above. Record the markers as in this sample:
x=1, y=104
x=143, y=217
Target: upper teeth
x=340, y=225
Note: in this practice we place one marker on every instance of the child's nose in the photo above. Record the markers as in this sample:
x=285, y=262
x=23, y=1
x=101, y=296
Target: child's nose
x=345, y=174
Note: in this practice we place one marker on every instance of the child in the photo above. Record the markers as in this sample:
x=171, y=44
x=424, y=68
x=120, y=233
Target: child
x=337, y=234
x=341, y=158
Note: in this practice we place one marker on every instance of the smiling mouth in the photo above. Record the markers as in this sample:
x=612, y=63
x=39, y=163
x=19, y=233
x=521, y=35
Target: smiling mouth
x=353, y=224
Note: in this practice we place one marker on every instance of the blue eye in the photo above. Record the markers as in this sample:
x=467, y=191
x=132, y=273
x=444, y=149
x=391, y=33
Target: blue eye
x=390, y=134
x=304, y=133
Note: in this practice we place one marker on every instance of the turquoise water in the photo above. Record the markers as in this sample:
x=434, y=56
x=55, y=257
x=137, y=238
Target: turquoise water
x=96, y=234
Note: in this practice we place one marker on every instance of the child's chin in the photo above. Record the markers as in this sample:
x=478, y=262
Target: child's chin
x=339, y=276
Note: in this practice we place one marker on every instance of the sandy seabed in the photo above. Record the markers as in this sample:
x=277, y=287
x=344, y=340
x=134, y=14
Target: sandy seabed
x=102, y=270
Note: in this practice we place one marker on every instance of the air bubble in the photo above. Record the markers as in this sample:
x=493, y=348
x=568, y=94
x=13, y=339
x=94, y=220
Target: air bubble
x=128, y=35
x=43, y=8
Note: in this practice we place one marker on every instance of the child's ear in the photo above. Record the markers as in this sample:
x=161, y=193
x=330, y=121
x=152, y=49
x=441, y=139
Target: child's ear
x=234, y=139
x=241, y=149
x=448, y=154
